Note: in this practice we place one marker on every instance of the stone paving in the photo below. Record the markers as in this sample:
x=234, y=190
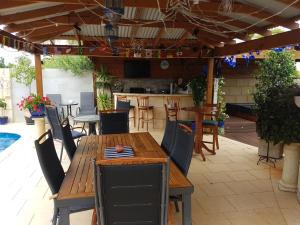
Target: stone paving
x=230, y=189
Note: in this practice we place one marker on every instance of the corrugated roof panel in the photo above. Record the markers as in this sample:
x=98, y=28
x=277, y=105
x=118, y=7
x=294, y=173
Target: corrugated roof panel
x=173, y=33
x=25, y=8
x=151, y=14
x=125, y=31
x=248, y=19
x=147, y=32
x=88, y=30
x=129, y=13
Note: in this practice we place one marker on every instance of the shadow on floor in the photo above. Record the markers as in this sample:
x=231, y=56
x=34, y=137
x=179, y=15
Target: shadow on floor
x=241, y=130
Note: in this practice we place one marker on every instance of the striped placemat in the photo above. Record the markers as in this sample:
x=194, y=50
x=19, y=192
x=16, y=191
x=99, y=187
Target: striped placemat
x=110, y=152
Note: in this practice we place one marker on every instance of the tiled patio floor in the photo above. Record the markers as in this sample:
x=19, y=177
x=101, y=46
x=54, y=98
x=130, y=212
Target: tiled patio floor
x=230, y=189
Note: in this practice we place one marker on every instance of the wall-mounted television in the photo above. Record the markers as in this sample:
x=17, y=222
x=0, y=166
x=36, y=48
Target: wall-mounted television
x=137, y=68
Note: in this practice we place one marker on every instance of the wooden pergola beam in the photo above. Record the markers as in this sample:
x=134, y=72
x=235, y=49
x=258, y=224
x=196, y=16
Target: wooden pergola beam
x=32, y=14
x=49, y=36
x=269, y=42
x=44, y=31
x=158, y=37
x=12, y=4
x=201, y=7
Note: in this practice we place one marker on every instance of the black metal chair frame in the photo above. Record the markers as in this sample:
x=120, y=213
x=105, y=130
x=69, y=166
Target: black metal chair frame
x=113, y=117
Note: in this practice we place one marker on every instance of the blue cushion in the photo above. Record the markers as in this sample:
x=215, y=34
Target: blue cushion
x=77, y=134
x=210, y=122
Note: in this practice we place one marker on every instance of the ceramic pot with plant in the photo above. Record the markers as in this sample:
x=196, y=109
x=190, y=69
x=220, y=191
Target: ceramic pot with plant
x=35, y=104
x=3, y=118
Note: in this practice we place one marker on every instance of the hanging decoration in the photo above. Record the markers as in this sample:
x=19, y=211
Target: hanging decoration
x=148, y=53
x=111, y=33
x=230, y=61
x=226, y=6
x=115, y=51
x=248, y=57
x=178, y=52
x=113, y=11
x=45, y=50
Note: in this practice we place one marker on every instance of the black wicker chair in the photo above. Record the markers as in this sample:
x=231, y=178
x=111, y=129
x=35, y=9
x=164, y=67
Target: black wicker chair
x=132, y=194
x=52, y=170
x=114, y=122
x=68, y=139
x=55, y=124
x=182, y=152
x=169, y=136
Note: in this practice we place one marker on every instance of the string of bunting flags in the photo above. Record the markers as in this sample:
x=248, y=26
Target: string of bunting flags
x=232, y=63
x=125, y=52
x=19, y=44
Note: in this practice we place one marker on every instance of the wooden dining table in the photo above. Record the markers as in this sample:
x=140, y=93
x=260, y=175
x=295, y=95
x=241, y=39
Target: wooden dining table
x=199, y=115
x=77, y=189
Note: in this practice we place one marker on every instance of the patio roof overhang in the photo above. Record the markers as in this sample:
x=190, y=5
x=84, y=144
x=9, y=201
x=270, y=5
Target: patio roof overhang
x=205, y=30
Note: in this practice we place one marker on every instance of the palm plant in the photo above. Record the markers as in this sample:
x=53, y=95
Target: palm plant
x=104, y=82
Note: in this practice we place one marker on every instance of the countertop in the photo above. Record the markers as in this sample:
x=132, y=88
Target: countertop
x=150, y=94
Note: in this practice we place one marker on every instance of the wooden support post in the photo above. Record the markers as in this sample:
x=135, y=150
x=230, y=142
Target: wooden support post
x=210, y=81
x=38, y=74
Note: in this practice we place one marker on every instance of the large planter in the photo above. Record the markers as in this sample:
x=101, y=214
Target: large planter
x=39, y=112
x=3, y=120
x=290, y=172
x=275, y=151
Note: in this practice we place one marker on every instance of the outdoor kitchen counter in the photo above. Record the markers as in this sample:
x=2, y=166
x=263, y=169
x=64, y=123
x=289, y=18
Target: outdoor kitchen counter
x=158, y=101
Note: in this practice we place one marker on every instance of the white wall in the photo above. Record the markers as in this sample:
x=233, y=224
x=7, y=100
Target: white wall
x=55, y=81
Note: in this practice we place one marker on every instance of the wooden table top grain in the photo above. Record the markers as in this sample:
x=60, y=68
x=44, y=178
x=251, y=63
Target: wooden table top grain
x=79, y=179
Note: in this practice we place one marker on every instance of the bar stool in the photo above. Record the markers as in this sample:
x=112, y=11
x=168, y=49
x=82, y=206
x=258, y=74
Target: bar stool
x=132, y=107
x=172, y=108
x=144, y=107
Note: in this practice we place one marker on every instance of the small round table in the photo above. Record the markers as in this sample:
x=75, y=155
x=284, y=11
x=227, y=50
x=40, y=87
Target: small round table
x=69, y=108
x=91, y=120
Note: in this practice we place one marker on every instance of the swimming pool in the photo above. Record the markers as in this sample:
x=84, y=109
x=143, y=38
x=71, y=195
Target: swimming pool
x=6, y=139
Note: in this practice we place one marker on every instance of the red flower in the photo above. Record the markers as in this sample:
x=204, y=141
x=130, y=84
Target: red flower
x=34, y=107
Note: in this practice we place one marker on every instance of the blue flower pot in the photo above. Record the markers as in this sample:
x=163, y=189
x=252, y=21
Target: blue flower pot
x=221, y=124
x=3, y=120
x=39, y=113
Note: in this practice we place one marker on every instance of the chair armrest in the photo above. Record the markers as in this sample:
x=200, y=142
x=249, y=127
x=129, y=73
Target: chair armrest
x=185, y=128
x=53, y=196
x=82, y=129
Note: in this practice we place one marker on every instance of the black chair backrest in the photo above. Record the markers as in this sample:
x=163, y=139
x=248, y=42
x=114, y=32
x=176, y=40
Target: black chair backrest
x=182, y=150
x=55, y=124
x=87, y=102
x=55, y=99
x=114, y=122
x=169, y=136
x=49, y=162
x=68, y=140
x=132, y=194
x=124, y=105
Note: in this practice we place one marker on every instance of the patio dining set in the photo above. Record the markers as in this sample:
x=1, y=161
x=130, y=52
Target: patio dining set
x=126, y=178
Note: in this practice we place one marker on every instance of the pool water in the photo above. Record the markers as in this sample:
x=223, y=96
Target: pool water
x=6, y=139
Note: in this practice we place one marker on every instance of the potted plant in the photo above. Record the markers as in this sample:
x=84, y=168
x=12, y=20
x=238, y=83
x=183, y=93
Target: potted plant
x=34, y=104
x=198, y=87
x=104, y=82
x=24, y=73
x=222, y=106
x=3, y=118
x=276, y=73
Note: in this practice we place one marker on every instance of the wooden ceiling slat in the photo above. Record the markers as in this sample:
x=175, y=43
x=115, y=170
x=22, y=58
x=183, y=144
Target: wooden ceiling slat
x=44, y=31
x=12, y=4
x=28, y=15
x=49, y=36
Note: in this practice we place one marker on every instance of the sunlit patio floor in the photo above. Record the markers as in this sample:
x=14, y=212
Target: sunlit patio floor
x=230, y=189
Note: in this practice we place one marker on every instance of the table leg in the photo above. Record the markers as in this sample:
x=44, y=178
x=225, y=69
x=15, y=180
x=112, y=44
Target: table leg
x=64, y=216
x=199, y=134
x=186, y=209
x=92, y=128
